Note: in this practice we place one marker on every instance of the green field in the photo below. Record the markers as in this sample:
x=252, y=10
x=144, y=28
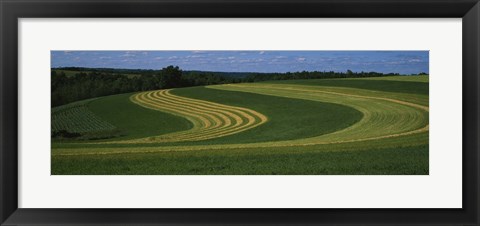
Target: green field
x=302, y=127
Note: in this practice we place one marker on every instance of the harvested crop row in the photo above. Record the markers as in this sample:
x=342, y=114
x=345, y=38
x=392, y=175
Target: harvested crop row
x=383, y=117
x=246, y=118
x=77, y=118
x=210, y=120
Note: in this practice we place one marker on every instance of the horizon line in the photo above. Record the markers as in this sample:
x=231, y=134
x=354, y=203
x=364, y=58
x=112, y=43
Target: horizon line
x=151, y=69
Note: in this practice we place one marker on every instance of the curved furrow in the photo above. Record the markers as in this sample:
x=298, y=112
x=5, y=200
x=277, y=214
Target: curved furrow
x=383, y=117
x=250, y=120
x=251, y=116
x=235, y=112
x=214, y=120
x=207, y=120
x=229, y=118
x=207, y=103
x=198, y=120
x=189, y=135
x=210, y=120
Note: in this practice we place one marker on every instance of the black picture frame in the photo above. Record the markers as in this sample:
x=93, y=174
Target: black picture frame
x=12, y=10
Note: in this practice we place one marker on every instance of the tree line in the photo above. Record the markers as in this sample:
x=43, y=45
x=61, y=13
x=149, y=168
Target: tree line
x=95, y=82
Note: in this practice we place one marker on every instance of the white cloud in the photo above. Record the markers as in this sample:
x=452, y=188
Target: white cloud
x=261, y=52
x=194, y=56
x=301, y=59
x=129, y=54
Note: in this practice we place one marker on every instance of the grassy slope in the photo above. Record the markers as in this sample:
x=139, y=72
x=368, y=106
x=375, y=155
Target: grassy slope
x=77, y=118
x=129, y=119
x=419, y=78
x=414, y=89
x=135, y=120
x=283, y=123
x=372, y=157
x=288, y=118
x=396, y=84
x=398, y=161
x=383, y=117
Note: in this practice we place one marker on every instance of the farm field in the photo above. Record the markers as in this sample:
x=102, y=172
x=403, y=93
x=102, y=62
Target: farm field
x=303, y=127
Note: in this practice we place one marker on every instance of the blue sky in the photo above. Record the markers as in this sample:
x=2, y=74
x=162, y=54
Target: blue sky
x=403, y=62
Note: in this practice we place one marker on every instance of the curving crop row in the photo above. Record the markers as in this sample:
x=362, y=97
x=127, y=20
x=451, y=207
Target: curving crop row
x=210, y=120
x=382, y=117
x=77, y=118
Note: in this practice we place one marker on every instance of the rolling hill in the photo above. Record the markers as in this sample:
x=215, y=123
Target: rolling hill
x=326, y=126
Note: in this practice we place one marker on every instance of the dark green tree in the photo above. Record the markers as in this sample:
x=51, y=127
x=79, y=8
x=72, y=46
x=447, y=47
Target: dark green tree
x=170, y=77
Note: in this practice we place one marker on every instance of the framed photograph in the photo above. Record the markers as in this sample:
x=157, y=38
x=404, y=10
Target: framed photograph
x=239, y=112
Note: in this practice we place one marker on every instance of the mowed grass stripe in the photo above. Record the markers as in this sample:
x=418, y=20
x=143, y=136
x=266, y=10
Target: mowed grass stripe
x=198, y=121
x=203, y=121
x=407, y=140
x=217, y=105
x=220, y=132
x=383, y=117
x=210, y=120
x=188, y=135
x=250, y=120
x=241, y=120
x=251, y=116
x=227, y=118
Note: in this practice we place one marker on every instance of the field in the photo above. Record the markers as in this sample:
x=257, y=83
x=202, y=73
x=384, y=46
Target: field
x=77, y=118
x=303, y=127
